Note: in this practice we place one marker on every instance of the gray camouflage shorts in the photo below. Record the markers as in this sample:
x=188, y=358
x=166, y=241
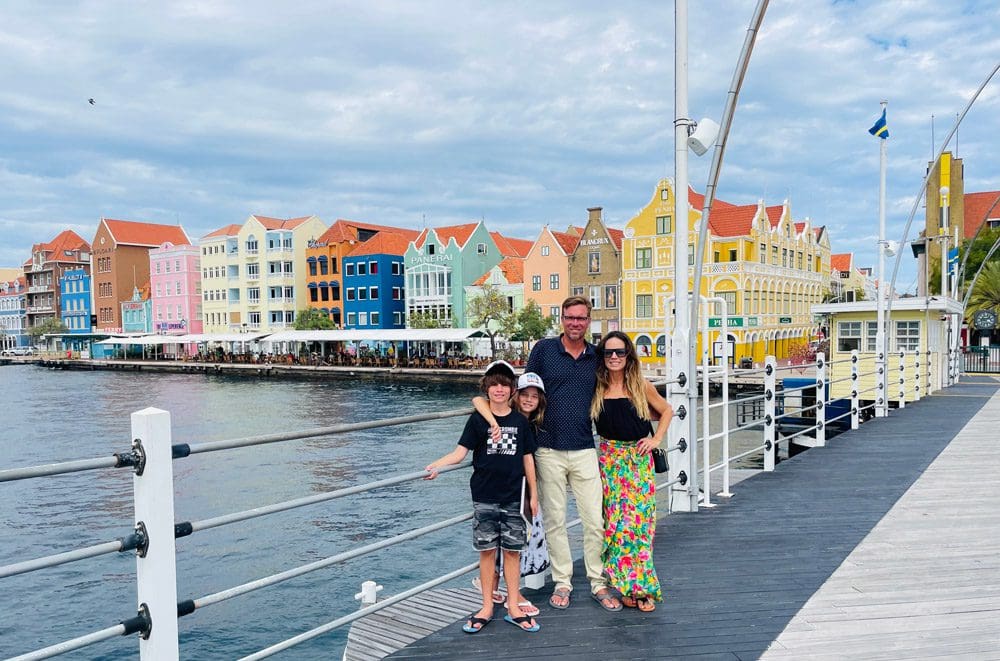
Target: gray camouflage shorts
x=495, y=523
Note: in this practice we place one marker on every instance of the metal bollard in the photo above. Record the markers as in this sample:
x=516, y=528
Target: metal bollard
x=369, y=593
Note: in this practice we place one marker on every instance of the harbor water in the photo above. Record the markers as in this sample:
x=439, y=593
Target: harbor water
x=55, y=415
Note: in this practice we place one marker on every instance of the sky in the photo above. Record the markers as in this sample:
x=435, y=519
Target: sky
x=521, y=114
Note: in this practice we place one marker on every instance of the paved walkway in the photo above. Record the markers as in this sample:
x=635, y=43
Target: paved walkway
x=883, y=545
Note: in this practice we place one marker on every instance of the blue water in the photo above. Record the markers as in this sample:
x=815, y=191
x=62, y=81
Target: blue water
x=51, y=416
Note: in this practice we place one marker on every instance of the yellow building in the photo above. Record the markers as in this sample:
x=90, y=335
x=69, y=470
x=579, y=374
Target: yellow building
x=769, y=269
x=263, y=283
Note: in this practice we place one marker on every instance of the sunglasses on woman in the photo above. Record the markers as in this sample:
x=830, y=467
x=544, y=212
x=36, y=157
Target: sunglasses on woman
x=621, y=353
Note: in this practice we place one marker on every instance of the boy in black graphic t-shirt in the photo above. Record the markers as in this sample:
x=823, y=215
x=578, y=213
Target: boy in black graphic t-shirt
x=499, y=466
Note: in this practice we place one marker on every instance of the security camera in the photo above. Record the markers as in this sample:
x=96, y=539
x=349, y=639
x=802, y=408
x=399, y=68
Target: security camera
x=704, y=135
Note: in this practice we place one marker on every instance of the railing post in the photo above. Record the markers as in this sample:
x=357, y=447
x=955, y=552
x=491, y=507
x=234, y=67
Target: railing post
x=928, y=389
x=855, y=400
x=156, y=568
x=770, y=400
x=821, y=399
x=902, y=379
x=916, y=376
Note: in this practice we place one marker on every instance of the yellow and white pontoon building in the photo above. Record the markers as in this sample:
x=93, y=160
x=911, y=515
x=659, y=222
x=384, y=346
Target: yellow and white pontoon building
x=917, y=326
x=769, y=268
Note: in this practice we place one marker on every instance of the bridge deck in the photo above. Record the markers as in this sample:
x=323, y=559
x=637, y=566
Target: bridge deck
x=884, y=544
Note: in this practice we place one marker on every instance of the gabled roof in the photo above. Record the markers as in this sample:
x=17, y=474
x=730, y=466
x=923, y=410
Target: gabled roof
x=616, y=237
x=697, y=201
x=228, y=230
x=383, y=243
x=460, y=233
x=774, y=214
x=509, y=247
x=512, y=269
x=347, y=230
x=131, y=233
x=976, y=207
x=55, y=250
x=278, y=223
x=567, y=242
x=19, y=280
x=732, y=220
x=842, y=262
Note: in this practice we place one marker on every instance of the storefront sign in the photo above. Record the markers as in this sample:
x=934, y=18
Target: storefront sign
x=316, y=244
x=731, y=322
x=430, y=259
x=594, y=242
x=784, y=320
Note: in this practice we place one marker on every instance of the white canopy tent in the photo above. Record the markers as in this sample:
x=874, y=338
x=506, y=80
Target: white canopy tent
x=377, y=335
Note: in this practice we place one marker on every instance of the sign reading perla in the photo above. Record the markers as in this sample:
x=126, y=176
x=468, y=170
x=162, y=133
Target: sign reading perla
x=593, y=242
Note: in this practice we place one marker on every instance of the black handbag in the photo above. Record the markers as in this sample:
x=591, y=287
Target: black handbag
x=660, y=461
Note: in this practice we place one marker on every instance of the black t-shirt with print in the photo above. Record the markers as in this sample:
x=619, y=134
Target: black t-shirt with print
x=498, y=467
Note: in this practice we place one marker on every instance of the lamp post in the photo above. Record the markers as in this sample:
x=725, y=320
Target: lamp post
x=683, y=494
x=881, y=347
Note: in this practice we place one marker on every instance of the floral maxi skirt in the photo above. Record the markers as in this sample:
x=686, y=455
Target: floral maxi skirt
x=629, y=519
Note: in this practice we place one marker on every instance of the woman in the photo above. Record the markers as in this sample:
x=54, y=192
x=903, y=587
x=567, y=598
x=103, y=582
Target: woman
x=623, y=406
x=529, y=400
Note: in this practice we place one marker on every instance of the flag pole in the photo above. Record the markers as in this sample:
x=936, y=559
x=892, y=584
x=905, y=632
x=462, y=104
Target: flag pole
x=881, y=354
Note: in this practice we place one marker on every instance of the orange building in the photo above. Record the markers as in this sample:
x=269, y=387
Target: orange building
x=546, y=269
x=121, y=263
x=325, y=255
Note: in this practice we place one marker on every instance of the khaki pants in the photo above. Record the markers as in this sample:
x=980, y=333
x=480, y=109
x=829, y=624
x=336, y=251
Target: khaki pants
x=577, y=468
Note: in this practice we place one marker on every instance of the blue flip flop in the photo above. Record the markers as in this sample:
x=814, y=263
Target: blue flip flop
x=518, y=621
x=470, y=626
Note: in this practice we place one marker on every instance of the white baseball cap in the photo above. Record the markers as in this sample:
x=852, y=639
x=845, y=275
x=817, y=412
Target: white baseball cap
x=501, y=367
x=530, y=380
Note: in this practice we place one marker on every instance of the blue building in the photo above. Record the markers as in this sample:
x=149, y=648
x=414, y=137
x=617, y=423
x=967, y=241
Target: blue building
x=13, y=313
x=75, y=309
x=373, y=283
x=137, y=314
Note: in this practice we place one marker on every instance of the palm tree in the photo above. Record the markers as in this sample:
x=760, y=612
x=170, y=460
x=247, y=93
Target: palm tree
x=986, y=294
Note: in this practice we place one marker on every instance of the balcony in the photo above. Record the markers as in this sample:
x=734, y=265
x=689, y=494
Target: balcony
x=39, y=289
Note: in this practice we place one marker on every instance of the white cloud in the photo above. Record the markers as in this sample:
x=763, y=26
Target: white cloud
x=521, y=113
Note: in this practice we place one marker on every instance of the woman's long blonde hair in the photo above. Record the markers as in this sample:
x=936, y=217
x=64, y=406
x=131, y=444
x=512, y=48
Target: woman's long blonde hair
x=635, y=384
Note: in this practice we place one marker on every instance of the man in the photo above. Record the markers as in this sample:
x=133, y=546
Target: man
x=566, y=453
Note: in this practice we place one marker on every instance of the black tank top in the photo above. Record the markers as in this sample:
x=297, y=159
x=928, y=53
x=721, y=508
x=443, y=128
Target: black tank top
x=620, y=422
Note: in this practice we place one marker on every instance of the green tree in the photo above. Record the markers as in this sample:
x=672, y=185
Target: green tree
x=51, y=326
x=532, y=324
x=312, y=319
x=491, y=312
x=422, y=320
x=986, y=293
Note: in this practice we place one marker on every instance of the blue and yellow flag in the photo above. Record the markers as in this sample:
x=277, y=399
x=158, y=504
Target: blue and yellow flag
x=880, y=130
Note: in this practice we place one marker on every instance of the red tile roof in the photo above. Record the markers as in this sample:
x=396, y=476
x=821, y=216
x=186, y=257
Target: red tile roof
x=567, y=242
x=280, y=224
x=510, y=247
x=347, y=230
x=732, y=220
x=774, y=214
x=383, y=243
x=512, y=269
x=697, y=201
x=228, y=230
x=841, y=262
x=131, y=233
x=616, y=237
x=460, y=233
x=65, y=240
x=977, y=205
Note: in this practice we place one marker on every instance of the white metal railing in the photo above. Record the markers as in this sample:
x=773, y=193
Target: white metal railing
x=155, y=530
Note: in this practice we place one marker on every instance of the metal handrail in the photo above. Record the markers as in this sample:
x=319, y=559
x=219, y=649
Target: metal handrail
x=798, y=433
x=73, y=644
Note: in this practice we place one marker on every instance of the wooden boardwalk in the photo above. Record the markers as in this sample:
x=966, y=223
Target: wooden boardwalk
x=883, y=545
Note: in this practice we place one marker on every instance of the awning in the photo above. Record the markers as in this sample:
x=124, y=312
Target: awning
x=310, y=259
x=378, y=334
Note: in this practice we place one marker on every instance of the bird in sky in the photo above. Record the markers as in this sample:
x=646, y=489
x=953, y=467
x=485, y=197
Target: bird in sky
x=91, y=102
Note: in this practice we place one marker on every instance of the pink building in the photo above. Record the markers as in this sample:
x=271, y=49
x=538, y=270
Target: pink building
x=175, y=287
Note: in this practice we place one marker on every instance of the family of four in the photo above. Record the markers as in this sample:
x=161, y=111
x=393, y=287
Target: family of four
x=538, y=429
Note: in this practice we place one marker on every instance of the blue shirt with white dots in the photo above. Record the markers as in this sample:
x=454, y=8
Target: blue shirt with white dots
x=569, y=387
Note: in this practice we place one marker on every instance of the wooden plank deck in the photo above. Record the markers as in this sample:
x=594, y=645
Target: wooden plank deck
x=882, y=545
